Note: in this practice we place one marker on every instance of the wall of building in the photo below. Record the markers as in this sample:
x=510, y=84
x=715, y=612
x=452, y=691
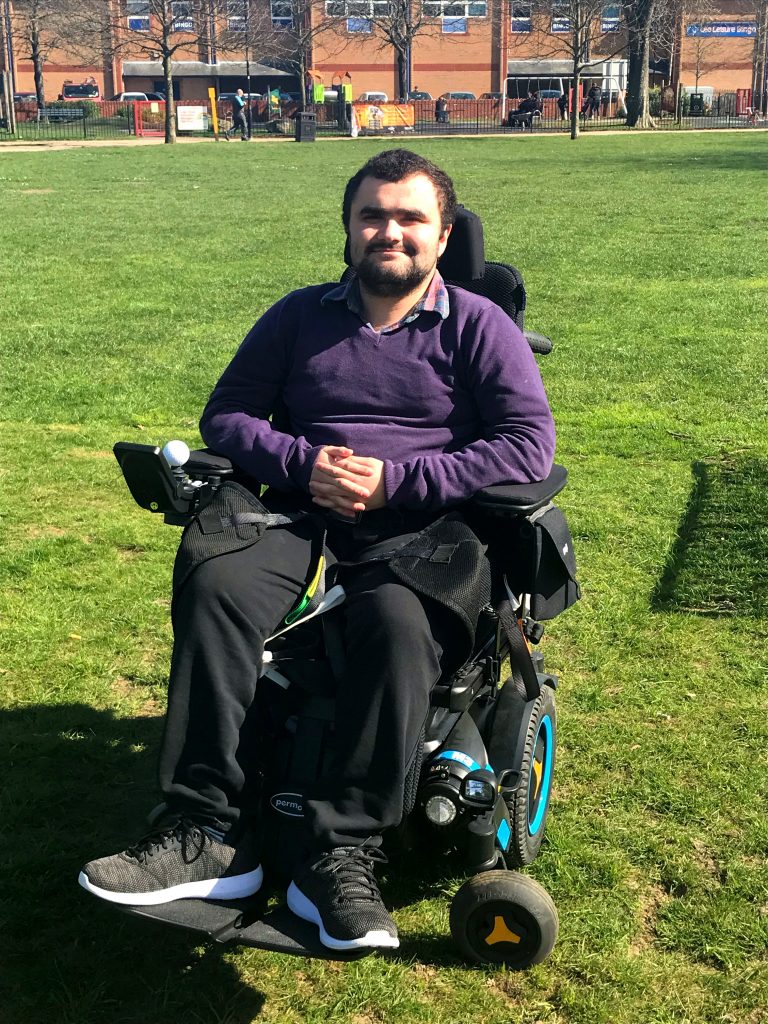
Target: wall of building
x=473, y=61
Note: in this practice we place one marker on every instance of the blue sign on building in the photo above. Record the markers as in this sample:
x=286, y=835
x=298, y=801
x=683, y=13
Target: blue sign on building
x=722, y=28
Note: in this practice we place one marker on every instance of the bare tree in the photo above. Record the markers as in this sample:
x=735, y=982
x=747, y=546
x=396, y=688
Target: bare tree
x=760, y=58
x=288, y=35
x=155, y=29
x=575, y=28
x=639, y=17
x=40, y=27
x=397, y=23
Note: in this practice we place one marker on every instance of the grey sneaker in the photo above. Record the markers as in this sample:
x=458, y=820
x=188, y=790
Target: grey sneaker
x=177, y=860
x=338, y=892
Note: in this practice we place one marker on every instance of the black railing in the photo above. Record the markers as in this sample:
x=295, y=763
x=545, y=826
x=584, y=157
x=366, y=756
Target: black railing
x=118, y=119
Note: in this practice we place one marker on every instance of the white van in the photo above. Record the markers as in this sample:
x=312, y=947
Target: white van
x=372, y=97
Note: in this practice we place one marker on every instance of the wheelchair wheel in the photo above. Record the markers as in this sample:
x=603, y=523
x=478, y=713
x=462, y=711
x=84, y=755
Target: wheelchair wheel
x=529, y=803
x=502, y=917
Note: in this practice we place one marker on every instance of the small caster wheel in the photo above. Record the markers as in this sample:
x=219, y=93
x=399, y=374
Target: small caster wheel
x=502, y=917
x=529, y=803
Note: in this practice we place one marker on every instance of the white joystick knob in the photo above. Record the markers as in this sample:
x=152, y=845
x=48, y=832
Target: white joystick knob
x=176, y=453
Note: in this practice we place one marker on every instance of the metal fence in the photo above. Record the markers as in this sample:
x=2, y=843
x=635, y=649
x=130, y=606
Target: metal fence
x=120, y=119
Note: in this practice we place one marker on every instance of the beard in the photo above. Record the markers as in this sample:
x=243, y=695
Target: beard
x=392, y=281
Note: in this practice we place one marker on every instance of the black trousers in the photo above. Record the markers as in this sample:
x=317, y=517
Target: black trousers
x=395, y=642
x=240, y=124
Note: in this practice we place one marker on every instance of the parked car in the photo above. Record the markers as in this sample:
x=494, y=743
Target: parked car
x=490, y=95
x=25, y=97
x=129, y=97
x=458, y=96
x=419, y=95
x=158, y=97
x=80, y=91
x=371, y=97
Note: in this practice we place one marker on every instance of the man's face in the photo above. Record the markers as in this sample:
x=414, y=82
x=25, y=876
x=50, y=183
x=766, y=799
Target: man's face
x=395, y=234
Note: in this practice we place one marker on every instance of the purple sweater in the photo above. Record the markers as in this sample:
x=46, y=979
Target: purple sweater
x=450, y=406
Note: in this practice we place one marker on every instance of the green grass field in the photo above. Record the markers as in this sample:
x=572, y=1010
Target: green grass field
x=128, y=277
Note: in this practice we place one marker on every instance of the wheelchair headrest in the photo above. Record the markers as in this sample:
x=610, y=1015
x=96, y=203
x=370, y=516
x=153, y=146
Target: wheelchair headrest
x=464, y=256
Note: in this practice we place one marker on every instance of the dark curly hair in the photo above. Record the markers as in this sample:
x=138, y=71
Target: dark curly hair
x=396, y=165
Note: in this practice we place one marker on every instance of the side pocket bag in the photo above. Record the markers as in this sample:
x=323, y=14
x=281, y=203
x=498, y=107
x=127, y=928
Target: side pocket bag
x=551, y=563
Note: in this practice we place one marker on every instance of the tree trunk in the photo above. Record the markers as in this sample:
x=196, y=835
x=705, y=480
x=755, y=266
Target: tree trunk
x=575, y=108
x=37, y=64
x=638, y=52
x=759, y=69
x=401, y=57
x=170, y=107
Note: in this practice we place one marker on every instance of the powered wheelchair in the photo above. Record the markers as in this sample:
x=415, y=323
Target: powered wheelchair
x=480, y=793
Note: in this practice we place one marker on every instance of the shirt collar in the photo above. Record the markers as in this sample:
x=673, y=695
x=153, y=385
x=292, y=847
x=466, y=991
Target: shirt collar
x=434, y=300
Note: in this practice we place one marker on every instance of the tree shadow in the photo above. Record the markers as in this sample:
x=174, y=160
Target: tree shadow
x=77, y=783
x=718, y=564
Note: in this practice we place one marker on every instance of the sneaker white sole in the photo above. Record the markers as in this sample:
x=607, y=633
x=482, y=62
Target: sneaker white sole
x=307, y=911
x=235, y=888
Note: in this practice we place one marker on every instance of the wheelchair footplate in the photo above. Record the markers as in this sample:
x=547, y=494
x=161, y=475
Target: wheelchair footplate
x=247, y=922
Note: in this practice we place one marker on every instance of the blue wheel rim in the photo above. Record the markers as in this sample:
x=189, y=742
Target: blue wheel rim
x=541, y=798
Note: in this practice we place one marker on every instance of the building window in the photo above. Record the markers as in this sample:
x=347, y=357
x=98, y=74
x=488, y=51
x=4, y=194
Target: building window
x=611, y=18
x=359, y=25
x=235, y=11
x=521, y=18
x=354, y=10
x=455, y=25
x=461, y=11
x=137, y=12
x=181, y=12
x=560, y=17
x=282, y=14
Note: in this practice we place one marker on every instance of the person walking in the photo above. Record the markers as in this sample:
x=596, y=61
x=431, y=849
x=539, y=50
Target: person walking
x=239, y=120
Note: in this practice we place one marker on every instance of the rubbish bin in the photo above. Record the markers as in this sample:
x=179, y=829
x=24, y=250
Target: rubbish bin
x=697, y=104
x=306, y=126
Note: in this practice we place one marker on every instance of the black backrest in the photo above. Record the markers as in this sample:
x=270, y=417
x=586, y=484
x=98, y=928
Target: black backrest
x=463, y=263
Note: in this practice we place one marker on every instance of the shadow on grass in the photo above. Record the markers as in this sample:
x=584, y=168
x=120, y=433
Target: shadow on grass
x=77, y=783
x=718, y=564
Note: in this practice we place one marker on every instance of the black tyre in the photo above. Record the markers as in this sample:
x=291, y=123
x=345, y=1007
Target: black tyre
x=529, y=804
x=502, y=917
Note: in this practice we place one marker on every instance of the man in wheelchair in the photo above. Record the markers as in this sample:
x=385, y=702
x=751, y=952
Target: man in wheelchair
x=370, y=410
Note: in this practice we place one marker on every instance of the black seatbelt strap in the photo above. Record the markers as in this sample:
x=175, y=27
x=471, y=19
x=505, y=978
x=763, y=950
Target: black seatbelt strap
x=520, y=661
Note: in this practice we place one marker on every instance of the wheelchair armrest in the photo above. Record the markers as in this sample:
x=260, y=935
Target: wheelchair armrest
x=520, y=499
x=539, y=343
x=203, y=462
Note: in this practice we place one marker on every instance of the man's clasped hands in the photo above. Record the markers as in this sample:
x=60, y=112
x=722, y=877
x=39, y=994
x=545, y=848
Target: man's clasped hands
x=347, y=483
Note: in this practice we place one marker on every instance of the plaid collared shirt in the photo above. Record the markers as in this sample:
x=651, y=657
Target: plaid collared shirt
x=434, y=300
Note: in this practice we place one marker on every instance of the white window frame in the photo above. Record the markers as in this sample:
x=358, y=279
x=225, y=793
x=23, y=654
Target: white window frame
x=183, y=22
x=455, y=24
x=456, y=8
x=137, y=15
x=610, y=22
x=519, y=22
x=281, y=20
x=362, y=9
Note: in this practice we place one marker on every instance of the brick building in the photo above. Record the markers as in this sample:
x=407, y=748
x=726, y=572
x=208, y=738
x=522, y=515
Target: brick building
x=468, y=45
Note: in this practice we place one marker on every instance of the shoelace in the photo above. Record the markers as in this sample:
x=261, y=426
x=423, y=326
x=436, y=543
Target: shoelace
x=353, y=867
x=190, y=836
